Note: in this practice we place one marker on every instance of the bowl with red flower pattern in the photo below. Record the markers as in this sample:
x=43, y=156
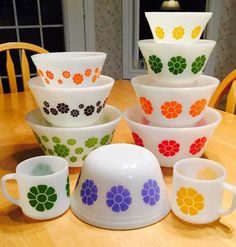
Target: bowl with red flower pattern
x=176, y=27
x=169, y=106
x=71, y=107
x=172, y=144
x=69, y=69
x=73, y=144
x=176, y=63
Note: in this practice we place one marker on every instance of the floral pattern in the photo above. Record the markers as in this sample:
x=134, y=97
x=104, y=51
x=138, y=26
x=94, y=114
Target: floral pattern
x=40, y=72
x=137, y=140
x=177, y=65
x=61, y=150
x=197, y=146
x=66, y=74
x=190, y=202
x=169, y=148
x=198, y=64
x=151, y=192
x=63, y=108
x=54, y=111
x=178, y=32
x=195, y=32
x=155, y=64
x=88, y=111
x=87, y=72
x=197, y=108
x=60, y=81
x=46, y=110
x=68, y=186
x=46, y=80
x=74, y=113
x=49, y=75
x=160, y=34
x=146, y=105
x=91, y=142
x=118, y=199
x=42, y=197
x=89, y=192
x=171, y=109
x=105, y=140
x=78, y=78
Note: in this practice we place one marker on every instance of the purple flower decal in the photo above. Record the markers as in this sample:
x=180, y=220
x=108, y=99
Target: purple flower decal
x=88, y=192
x=151, y=192
x=118, y=198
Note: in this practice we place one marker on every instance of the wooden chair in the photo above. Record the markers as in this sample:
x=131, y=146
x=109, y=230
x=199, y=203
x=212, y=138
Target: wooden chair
x=229, y=83
x=24, y=63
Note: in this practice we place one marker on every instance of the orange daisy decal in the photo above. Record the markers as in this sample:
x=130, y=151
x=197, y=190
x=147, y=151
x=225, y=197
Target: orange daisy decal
x=146, y=105
x=97, y=70
x=171, y=109
x=40, y=72
x=60, y=81
x=94, y=79
x=197, y=107
x=88, y=72
x=46, y=80
x=66, y=74
x=78, y=78
x=49, y=74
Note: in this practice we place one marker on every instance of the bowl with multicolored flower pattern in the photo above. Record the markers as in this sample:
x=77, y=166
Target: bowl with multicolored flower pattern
x=178, y=106
x=177, y=27
x=71, y=107
x=181, y=62
x=73, y=144
x=120, y=187
x=69, y=69
x=172, y=144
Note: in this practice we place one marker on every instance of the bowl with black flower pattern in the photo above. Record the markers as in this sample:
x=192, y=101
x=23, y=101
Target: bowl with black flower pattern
x=73, y=144
x=71, y=107
x=176, y=62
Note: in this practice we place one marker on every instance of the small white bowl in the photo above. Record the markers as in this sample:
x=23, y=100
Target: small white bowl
x=120, y=187
x=181, y=62
x=176, y=27
x=178, y=106
x=69, y=69
x=71, y=107
x=172, y=144
x=73, y=144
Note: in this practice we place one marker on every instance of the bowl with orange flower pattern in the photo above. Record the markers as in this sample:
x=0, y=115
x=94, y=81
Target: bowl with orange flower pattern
x=176, y=63
x=170, y=145
x=177, y=27
x=69, y=69
x=71, y=107
x=178, y=106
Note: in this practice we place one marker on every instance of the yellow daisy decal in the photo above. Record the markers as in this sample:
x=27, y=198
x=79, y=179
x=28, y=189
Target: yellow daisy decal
x=159, y=32
x=195, y=32
x=178, y=32
x=189, y=201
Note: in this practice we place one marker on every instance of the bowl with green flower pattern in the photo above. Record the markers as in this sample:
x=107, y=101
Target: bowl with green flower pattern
x=73, y=144
x=180, y=62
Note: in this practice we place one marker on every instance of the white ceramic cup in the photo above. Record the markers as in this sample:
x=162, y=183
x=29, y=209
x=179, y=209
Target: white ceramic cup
x=198, y=187
x=43, y=182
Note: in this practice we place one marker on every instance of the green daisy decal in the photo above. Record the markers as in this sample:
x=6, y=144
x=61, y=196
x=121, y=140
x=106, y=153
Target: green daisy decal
x=45, y=138
x=79, y=150
x=177, y=65
x=50, y=151
x=68, y=186
x=155, y=64
x=61, y=150
x=105, y=139
x=71, y=142
x=198, y=64
x=73, y=159
x=37, y=138
x=42, y=197
x=84, y=157
x=56, y=139
x=91, y=142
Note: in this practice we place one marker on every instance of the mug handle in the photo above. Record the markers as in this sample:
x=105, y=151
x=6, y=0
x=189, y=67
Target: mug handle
x=232, y=189
x=4, y=188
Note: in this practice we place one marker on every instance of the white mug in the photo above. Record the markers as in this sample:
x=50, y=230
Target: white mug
x=198, y=188
x=43, y=184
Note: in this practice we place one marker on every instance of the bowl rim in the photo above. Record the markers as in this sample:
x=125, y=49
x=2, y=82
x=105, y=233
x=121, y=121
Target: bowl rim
x=68, y=55
x=152, y=127
x=172, y=87
x=32, y=84
x=208, y=13
x=85, y=128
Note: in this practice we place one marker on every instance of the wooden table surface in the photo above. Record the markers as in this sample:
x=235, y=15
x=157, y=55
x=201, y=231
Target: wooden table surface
x=17, y=143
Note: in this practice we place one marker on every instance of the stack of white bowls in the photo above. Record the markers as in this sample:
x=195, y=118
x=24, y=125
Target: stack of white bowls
x=73, y=118
x=173, y=120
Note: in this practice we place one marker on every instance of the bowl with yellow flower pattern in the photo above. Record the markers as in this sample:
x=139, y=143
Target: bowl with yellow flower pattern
x=69, y=69
x=168, y=106
x=73, y=144
x=181, y=62
x=177, y=27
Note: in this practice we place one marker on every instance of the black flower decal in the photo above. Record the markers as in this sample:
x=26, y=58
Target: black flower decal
x=98, y=103
x=74, y=113
x=46, y=104
x=46, y=110
x=99, y=109
x=81, y=106
x=104, y=103
x=63, y=108
x=88, y=111
x=54, y=111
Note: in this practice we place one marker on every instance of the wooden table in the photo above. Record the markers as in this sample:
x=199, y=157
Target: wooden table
x=17, y=143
